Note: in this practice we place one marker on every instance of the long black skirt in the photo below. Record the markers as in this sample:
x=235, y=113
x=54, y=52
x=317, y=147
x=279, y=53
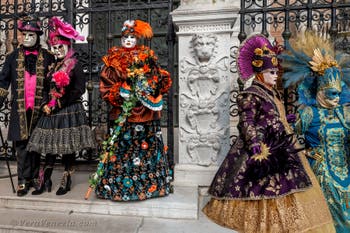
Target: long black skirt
x=63, y=132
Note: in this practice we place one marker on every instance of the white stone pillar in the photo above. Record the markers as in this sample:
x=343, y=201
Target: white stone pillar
x=204, y=34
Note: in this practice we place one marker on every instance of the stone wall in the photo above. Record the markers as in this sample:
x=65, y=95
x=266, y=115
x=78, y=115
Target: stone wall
x=207, y=31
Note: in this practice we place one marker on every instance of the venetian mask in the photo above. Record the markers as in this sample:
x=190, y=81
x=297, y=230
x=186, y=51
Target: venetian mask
x=129, y=41
x=270, y=76
x=332, y=97
x=29, y=38
x=60, y=50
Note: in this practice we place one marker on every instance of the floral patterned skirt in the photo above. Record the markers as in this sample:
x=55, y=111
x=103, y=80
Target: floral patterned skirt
x=63, y=132
x=304, y=211
x=139, y=167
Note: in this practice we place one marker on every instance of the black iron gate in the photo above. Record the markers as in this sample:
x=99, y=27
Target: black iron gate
x=282, y=19
x=101, y=21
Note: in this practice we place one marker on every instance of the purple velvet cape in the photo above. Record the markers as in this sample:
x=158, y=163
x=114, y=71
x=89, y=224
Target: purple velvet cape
x=237, y=177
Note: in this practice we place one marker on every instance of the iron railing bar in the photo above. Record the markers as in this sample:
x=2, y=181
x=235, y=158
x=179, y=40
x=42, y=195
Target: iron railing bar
x=158, y=34
x=294, y=8
x=90, y=40
x=309, y=14
x=119, y=8
x=170, y=96
x=333, y=30
x=88, y=10
x=42, y=14
x=264, y=25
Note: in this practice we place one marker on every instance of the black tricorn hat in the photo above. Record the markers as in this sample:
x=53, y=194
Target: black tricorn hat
x=29, y=23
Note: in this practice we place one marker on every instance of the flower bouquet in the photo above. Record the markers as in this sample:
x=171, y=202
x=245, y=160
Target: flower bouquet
x=60, y=79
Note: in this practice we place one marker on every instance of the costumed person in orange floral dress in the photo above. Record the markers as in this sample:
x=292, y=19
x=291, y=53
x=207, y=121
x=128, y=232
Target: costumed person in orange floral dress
x=63, y=128
x=134, y=162
x=265, y=183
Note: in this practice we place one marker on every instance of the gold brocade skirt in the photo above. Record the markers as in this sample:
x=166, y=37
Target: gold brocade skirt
x=305, y=211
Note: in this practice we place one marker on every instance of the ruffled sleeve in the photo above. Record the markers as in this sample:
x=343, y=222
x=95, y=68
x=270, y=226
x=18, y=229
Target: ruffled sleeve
x=166, y=81
x=109, y=86
x=5, y=76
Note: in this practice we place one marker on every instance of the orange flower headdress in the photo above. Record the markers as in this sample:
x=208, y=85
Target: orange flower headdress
x=138, y=28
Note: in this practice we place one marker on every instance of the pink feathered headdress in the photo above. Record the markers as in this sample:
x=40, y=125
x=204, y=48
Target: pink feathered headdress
x=62, y=32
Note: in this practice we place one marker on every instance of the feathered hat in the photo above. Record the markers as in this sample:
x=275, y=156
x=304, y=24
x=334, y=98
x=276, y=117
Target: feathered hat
x=310, y=62
x=30, y=23
x=255, y=55
x=62, y=32
x=138, y=28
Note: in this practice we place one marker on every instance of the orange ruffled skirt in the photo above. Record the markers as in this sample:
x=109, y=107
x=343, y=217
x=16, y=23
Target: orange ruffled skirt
x=304, y=211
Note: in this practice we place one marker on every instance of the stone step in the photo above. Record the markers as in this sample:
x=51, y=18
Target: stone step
x=14, y=220
x=29, y=221
x=182, y=204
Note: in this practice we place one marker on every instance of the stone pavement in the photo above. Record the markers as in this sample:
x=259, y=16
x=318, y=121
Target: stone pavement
x=177, y=213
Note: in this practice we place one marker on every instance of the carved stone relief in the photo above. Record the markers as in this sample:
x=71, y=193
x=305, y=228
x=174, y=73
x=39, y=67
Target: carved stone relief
x=203, y=101
x=219, y=27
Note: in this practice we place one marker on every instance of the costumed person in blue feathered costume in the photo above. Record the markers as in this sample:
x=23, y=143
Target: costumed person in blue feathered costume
x=323, y=80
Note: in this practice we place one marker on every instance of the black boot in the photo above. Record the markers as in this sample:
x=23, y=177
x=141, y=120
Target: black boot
x=44, y=183
x=65, y=183
x=22, y=189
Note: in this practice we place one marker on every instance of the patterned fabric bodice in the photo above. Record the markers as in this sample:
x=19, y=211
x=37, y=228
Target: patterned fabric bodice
x=328, y=135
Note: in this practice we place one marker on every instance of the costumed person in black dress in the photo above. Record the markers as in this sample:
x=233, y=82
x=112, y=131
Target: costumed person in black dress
x=134, y=164
x=63, y=128
x=265, y=183
x=24, y=69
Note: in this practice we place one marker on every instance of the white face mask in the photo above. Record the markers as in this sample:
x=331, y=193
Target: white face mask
x=332, y=102
x=60, y=50
x=331, y=97
x=29, y=38
x=129, y=41
x=270, y=76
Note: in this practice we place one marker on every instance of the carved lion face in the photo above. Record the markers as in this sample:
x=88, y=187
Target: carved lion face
x=204, y=46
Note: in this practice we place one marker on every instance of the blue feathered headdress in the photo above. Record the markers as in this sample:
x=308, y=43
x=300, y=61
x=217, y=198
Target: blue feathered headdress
x=310, y=63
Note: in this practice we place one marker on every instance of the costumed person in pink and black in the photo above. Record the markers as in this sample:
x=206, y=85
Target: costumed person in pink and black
x=24, y=69
x=134, y=163
x=63, y=128
x=265, y=183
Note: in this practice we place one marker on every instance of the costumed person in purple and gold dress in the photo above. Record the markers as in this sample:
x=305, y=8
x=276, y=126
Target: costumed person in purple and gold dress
x=25, y=69
x=134, y=163
x=63, y=128
x=323, y=81
x=265, y=184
